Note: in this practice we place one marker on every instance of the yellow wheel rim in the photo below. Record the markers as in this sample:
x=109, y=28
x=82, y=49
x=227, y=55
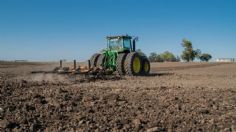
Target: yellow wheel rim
x=136, y=65
x=146, y=66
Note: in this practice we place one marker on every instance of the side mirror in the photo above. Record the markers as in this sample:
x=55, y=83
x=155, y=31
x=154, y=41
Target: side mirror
x=134, y=43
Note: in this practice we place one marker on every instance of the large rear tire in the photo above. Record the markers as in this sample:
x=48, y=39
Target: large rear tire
x=145, y=66
x=133, y=64
x=94, y=59
x=120, y=63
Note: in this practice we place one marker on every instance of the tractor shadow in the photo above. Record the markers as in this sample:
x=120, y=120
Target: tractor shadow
x=160, y=74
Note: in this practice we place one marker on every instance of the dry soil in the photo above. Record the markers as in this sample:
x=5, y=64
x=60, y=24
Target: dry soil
x=175, y=97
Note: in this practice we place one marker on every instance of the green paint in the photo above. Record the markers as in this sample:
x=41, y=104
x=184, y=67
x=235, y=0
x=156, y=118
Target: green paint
x=110, y=59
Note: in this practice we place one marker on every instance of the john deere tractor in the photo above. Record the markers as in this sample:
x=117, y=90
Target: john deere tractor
x=121, y=56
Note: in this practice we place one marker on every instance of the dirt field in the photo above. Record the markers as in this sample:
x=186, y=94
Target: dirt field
x=175, y=97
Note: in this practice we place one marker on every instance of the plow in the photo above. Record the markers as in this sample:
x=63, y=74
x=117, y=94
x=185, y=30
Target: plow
x=118, y=58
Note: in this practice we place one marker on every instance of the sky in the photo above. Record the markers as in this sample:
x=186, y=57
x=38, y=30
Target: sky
x=49, y=30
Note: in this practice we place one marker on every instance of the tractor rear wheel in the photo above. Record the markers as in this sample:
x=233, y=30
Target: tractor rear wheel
x=94, y=59
x=133, y=64
x=145, y=66
x=120, y=63
x=101, y=61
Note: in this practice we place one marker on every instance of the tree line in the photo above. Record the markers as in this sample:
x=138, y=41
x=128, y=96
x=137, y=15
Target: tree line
x=188, y=54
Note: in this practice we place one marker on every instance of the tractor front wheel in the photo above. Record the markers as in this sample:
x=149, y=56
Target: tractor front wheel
x=101, y=61
x=94, y=59
x=133, y=64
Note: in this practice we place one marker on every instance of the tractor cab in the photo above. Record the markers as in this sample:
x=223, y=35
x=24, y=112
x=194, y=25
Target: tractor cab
x=121, y=43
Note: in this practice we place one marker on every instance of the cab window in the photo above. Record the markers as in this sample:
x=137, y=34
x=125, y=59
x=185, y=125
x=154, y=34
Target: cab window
x=127, y=44
x=115, y=44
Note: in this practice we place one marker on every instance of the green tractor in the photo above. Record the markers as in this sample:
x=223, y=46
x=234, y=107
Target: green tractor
x=121, y=56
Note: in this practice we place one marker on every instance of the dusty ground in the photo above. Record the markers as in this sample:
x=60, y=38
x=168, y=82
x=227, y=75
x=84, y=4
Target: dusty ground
x=176, y=97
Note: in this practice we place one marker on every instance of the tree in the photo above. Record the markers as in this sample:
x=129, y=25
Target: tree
x=152, y=57
x=205, y=57
x=168, y=56
x=189, y=54
x=197, y=53
x=159, y=58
